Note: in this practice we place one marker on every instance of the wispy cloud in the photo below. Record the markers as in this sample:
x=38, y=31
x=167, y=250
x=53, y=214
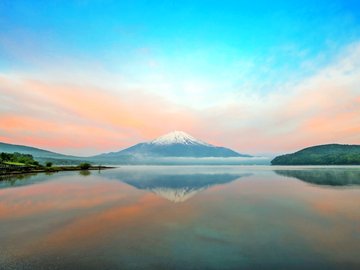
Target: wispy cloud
x=322, y=108
x=80, y=115
x=69, y=117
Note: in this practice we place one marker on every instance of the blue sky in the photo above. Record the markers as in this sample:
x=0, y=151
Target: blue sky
x=197, y=55
x=217, y=32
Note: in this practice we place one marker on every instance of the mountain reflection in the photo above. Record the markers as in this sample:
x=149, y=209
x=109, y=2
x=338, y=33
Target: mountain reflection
x=176, y=187
x=329, y=177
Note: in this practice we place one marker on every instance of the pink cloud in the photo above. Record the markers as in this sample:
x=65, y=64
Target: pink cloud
x=67, y=116
x=323, y=108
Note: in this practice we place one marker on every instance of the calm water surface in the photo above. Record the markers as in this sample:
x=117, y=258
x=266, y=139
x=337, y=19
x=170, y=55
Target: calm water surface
x=182, y=218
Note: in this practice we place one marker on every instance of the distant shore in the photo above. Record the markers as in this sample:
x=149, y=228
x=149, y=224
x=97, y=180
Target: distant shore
x=28, y=170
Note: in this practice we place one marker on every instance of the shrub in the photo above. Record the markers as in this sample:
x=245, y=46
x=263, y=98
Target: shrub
x=36, y=163
x=48, y=164
x=84, y=166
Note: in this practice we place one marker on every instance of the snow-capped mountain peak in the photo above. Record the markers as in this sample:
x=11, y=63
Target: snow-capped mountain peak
x=178, y=137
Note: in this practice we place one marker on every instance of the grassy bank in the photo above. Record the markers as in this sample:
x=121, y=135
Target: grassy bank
x=18, y=163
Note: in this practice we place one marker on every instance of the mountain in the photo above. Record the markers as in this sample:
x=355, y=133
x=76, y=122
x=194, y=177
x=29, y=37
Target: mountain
x=174, y=148
x=40, y=154
x=174, y=144
x=328, y=154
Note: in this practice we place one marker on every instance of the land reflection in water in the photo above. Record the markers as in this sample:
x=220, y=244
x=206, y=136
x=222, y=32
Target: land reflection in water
x=324, y=176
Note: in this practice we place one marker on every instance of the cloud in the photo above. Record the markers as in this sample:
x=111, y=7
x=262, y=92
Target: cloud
x=64, y=116
x=323, y=108
x=81, y=117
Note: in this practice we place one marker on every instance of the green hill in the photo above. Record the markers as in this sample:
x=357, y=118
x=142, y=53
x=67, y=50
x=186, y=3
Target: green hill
x=36, y=152
x=40, y=154
x=328, y=154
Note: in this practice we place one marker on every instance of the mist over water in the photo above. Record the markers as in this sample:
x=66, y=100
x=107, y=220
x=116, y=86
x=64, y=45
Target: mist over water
x=182, y=217
x=146, y=160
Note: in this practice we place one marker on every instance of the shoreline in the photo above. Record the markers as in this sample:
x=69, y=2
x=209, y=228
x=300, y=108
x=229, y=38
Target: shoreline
x=53, y=170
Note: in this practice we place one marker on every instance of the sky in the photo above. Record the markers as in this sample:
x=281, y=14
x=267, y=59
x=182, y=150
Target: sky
x=86, y=77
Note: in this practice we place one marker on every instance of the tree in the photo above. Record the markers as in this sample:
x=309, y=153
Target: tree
x=18, y=158
x=84, y=166
x=48, y=164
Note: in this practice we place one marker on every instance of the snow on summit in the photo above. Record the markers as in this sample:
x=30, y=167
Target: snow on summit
x=178, y=137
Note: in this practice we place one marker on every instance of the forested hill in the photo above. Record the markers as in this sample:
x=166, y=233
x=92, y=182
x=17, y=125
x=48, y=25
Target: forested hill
x=328, y=154
x=40, y=154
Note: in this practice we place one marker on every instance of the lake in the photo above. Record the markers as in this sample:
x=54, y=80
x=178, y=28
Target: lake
x=190, y=217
